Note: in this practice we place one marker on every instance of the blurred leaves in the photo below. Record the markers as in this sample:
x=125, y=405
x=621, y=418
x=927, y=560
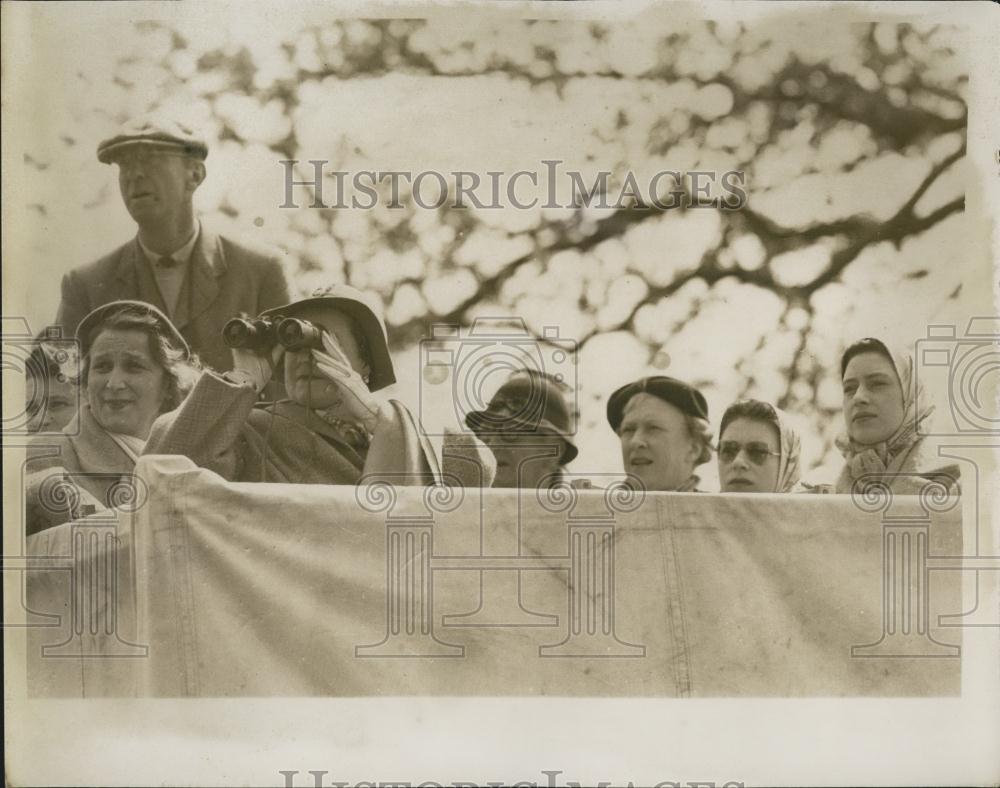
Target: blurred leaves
x=850, y=135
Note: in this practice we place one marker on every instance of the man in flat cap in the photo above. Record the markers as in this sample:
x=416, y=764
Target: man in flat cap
x=199, y=279
x=663, y=426
x=527, y=427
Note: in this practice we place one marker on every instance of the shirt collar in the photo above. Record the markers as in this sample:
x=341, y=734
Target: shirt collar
x=181, y=255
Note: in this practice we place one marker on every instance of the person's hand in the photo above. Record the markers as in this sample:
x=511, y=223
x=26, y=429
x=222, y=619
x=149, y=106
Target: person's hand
x=255, y=368
x=358, y=400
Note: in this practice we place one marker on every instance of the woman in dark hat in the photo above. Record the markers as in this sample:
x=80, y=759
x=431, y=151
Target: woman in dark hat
x=527, y=426
x=663, y=426
x=135, y=366
x=330, y=430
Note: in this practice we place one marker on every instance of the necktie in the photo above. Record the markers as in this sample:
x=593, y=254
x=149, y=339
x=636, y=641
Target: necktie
x=167, y=263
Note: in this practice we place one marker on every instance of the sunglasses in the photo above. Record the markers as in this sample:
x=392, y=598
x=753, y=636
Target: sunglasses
x=757, y=452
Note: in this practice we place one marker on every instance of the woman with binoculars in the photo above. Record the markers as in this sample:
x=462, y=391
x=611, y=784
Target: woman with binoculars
x=332, y=352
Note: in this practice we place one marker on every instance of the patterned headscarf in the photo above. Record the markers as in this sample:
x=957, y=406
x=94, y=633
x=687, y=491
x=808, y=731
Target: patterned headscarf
x=790, y=448
x=888, y=456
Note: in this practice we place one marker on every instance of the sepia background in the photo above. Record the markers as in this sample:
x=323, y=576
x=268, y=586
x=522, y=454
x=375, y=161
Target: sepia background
x=852, y=137
x=765, y=314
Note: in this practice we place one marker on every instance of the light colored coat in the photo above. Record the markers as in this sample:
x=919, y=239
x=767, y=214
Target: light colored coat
x=92, y=466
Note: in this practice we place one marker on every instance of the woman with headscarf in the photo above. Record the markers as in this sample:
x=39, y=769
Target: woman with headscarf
x=135, y=366
x=331, y=429
x=758, y=449
x=884, y=409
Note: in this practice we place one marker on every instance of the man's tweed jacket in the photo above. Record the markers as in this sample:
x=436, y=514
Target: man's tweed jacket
x=224, y=280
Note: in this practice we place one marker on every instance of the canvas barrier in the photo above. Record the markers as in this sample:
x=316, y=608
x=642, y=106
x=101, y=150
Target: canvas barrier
x=199, y=588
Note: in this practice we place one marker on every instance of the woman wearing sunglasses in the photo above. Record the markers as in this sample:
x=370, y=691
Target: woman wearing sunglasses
x=758, y=450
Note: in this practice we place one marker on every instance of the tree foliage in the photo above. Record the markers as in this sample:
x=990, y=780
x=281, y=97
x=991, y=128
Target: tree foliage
x=851, y=137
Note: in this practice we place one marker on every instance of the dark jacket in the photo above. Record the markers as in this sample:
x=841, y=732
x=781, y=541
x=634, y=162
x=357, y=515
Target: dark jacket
x=224, y=280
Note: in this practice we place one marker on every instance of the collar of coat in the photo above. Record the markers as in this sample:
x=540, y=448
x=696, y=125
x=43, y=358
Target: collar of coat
x=201, y=285
x=95, y=449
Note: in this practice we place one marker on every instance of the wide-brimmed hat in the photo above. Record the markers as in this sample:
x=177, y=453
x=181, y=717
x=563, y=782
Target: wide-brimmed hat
x=156, y=132
x=525, y=405
x=365, y=311
x=84, y=331
x=682, y=396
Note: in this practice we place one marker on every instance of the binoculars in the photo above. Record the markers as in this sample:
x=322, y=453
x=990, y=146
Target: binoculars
x=262, y=333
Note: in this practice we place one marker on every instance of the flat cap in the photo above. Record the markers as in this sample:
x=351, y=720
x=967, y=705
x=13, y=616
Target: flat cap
x=154, y=131
x=685, y=398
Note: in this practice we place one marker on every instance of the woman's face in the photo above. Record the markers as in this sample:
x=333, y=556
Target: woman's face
x=873, y=399
x=305, y=384
x=657, y=445
x=58, y=407
x=525, y=460
x=749, y=451
x=126, y=388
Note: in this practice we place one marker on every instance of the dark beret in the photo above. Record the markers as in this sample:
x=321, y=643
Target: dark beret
x=167, y=329
x=685, y=398
x=153, y=132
